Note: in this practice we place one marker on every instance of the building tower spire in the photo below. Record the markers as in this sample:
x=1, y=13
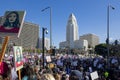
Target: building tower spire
x=71, y=30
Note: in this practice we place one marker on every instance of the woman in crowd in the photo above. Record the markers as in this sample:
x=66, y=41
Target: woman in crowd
x=28, y=73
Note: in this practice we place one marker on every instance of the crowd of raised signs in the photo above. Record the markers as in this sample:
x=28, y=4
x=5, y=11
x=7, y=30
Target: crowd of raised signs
x=61, y=67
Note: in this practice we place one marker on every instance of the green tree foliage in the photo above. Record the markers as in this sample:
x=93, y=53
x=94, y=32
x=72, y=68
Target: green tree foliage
x=101, y=49
x=114, y=49
x=116, y=42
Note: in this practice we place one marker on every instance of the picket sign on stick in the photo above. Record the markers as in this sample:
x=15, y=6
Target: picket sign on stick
x=19, y=74
x=4, y=46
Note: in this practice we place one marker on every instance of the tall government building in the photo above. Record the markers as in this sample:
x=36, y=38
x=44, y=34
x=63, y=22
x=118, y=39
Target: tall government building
x=71, y=31
x=72, y=36
x=29, y=37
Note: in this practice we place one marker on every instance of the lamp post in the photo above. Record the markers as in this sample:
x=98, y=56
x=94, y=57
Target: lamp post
x=43, y=42
x=107, y=40
x=50, y=24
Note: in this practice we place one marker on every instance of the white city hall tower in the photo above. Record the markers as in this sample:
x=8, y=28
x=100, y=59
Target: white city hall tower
x=71, y=31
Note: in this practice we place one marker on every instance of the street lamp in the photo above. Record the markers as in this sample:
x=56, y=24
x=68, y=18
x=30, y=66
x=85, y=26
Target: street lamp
x=107, y=40
x=44, y=30
x=50, y=24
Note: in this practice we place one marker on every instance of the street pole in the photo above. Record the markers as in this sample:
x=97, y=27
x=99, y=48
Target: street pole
x=43, y=42
x=43, y=46
x=50, y=27
x=50, y=24
x=108, y=35
x=107, y=41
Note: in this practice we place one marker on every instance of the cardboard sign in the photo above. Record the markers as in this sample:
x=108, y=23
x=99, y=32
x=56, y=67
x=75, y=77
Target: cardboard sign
x=48, y=58
x=94, y=75
x=12, y=22
x=18, y=57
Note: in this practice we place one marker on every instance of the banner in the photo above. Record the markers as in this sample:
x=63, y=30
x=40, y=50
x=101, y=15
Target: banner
x=12, y=22
x=18, y=57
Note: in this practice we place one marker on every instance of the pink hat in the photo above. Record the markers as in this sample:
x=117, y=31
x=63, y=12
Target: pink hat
x=3, y=68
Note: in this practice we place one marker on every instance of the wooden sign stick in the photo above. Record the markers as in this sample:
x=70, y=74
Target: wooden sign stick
x=4, y=46
x=19, y=74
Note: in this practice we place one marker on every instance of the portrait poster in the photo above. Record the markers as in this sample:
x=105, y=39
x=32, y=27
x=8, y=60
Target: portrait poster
x=12, y=22
x=18, y=57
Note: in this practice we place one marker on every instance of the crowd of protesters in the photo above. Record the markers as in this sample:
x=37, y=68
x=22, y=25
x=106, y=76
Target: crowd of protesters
x=62, y=67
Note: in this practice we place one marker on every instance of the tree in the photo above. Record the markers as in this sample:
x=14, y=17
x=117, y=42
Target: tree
x=116, y=42
x=101, y=49
x=114, y=49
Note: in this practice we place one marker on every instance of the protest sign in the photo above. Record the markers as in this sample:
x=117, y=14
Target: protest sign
x=11, y=23
x=94, y=75
x=18, y=57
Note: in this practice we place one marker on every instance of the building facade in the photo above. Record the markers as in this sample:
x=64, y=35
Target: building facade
x=71, y=31
x=92, y=39
x=46, y=43
x=28, y=37
x=72, y=38
x=81, y=44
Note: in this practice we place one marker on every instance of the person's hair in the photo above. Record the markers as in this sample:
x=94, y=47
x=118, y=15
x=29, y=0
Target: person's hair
x=64, y=77
x=28, y=71
x=47, y=76
x=73, y=78
x=1, y=78
x=56, y=76
x=75, y=75
x=15, y=24
x=7, y=74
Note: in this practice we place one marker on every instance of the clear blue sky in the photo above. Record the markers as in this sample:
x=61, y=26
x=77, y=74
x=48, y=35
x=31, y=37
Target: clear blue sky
x=91, y=16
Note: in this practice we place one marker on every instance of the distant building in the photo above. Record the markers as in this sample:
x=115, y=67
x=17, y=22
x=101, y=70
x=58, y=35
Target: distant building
x=72, y=38
x=71, y=31
x=92, y=39
x=28, y=38
x=81, y=44
x=63, y=45
x=46, y=43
